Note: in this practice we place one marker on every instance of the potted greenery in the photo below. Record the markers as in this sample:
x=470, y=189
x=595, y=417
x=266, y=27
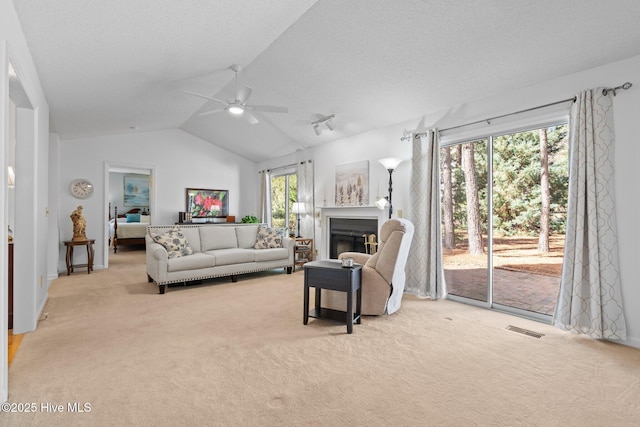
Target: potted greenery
x=250, y=219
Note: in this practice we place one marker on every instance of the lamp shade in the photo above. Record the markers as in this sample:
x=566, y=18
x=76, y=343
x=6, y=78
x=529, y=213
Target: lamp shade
x=298, y=208
x=390, y=163
x=382, y=203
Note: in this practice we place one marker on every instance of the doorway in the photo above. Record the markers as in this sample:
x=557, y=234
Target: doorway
x=115, y=174
x=504, y=201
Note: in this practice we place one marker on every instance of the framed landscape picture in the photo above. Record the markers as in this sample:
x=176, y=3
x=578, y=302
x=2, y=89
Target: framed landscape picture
x=136, y=190
x=352, y=184
x=204, y=203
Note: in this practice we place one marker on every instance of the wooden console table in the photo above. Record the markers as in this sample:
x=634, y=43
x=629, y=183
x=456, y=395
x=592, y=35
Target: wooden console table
x=70, y=244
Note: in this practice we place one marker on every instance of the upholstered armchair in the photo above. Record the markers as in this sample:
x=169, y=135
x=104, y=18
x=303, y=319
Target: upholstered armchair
x=383, y=275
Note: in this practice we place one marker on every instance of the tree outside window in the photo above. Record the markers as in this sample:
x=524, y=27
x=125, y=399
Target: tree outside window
x=284, y=192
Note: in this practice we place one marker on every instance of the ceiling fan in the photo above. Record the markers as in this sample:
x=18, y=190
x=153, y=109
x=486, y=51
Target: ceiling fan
x=239, y=105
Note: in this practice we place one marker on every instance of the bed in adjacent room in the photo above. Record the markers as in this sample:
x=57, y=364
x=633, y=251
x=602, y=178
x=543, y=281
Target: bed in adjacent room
x=128, y=228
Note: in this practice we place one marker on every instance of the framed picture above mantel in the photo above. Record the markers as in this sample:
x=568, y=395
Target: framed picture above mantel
x=205, y=203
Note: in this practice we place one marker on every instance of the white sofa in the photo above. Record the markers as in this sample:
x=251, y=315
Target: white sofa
x=218, y=250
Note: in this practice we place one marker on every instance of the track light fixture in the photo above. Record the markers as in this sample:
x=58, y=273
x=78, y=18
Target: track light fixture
x=327, y=121
x=329, y=124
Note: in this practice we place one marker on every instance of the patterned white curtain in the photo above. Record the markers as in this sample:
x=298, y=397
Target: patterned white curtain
x=590, y=299
x=425, y=275
x=265, y=198
x=305, y=195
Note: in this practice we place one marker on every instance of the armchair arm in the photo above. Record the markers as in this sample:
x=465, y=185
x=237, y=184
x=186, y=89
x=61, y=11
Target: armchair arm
x=358, y=257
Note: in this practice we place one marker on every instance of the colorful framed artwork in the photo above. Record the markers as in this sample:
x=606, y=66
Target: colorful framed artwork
x=136, y=190
x=204, y=203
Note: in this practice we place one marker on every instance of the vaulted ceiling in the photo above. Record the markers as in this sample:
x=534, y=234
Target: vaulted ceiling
x=117, y=66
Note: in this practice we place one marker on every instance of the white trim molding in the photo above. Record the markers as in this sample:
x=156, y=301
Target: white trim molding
x=354, y=212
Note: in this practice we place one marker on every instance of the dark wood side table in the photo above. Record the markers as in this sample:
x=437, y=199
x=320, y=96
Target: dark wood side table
x=70, y=244
x=330, y=274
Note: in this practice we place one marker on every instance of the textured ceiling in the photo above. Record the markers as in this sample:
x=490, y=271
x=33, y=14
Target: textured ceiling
x=106, y=66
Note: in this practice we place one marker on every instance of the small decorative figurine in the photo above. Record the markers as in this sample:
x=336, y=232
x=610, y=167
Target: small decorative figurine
x=79, y=225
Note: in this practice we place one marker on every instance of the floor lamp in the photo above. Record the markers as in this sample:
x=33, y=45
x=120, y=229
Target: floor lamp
x=298, y=208
x=390, y=164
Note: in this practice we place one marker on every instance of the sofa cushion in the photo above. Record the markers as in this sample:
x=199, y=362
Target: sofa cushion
x=174, y=242
x=267, y=238
x=193, y=262
x=246, y=236
x=217, y=237
x=231, y=256
x=270, y=254
x=192, y=234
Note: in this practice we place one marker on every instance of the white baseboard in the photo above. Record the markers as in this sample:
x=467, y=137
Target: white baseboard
x=631, y=342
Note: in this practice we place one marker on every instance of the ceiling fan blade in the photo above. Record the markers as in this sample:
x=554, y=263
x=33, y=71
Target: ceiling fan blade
x=268, y=108
x=206, y=97
x=217, y=110
x=243, y=94
x=250, y=117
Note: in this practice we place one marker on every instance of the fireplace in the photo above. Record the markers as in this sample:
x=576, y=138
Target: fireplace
x=329, y=215
x=347, y=234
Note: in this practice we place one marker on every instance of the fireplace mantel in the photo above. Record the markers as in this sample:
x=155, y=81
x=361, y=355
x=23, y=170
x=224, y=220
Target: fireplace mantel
x=356, y=212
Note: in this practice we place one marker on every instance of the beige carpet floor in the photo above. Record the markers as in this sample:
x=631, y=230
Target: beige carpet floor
x=237, y=354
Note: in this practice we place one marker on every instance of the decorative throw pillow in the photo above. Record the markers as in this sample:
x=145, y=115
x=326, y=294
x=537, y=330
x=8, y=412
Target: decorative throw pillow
x=268, y=238
x=174, y=242
x=133, y=217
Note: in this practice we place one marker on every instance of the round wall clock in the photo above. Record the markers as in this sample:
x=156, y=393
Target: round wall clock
x=81, y=188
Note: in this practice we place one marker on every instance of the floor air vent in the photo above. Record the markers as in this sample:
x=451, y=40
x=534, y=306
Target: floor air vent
x=525, y=331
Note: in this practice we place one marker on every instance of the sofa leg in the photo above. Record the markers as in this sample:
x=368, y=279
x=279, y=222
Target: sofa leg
x=161, y=289
x=234, y=278
x=149, y=279
x=289, y=270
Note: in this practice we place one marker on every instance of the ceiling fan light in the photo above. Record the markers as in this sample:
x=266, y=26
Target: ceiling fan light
x=316, y=129
x=236, y=109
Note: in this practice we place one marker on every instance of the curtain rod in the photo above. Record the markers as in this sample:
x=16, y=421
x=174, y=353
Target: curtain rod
x=605, y=91
x=286, y=166
x=510, y=114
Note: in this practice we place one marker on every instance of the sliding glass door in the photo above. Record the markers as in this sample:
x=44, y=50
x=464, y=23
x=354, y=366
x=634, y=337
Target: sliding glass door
x=503, y=243
x=464, y=225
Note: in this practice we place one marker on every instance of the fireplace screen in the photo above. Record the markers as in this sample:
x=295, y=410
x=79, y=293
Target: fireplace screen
x=350, y=235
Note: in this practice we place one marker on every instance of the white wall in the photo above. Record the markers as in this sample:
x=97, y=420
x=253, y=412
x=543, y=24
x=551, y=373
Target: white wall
x=180, y=161
x=53, y=232
x=30, y=246
x=386, y=143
